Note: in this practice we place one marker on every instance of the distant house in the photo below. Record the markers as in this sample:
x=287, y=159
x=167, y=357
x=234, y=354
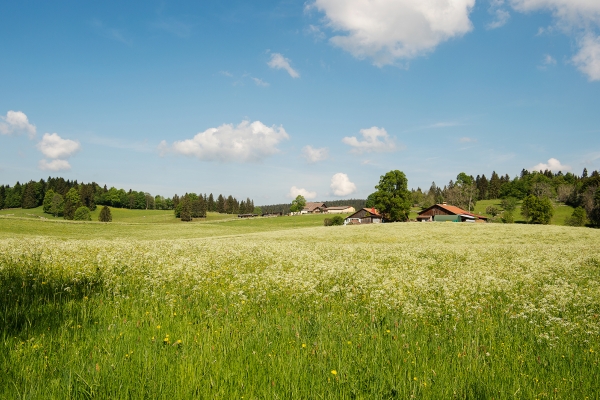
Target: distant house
x=314, y=208
x=446, y=213
x=340, y=210
x=364, y=216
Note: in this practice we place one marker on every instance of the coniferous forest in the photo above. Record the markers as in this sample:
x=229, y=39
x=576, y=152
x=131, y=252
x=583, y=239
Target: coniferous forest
x=62, y=197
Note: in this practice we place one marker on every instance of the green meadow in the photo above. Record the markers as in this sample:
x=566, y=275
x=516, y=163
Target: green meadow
x=149, y=307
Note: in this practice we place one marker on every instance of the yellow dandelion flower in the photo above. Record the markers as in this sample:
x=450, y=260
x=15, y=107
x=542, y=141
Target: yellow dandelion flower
x=334, y=372
x=303, y=345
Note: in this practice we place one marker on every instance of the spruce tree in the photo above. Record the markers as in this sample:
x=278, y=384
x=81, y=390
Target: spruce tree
x=220, y=206
x=29, y=200
x=48, y=201
x=212, y=207
x=2, y=196
x=186, y=209
x=105, y=215
x=72, y=203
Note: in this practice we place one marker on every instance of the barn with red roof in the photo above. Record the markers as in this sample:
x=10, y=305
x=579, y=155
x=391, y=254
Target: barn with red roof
x=447, y=213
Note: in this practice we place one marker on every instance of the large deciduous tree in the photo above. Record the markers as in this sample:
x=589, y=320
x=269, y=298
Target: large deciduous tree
x=392, y=197
x=298, y=204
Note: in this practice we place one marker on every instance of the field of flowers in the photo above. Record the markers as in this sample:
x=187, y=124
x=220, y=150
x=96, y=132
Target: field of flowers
x=391, y=311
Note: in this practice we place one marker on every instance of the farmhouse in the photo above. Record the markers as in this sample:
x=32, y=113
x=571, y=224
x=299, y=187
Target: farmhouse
x=364, y=216
x=446, y=213
x=340, y=210
x=314, y=208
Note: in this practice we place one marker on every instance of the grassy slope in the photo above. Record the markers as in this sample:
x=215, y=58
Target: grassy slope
x=561, y=211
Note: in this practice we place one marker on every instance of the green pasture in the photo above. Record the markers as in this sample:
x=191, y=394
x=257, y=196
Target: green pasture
x=287, y=308
x=145, y=224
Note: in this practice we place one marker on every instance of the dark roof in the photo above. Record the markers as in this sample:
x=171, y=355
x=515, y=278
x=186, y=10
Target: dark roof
x=372, y=211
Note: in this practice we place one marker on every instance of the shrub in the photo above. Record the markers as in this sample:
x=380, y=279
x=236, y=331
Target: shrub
x=336, y=220
x=578, y=218
x=82, y=214
x=492, y=210
x=105, y=215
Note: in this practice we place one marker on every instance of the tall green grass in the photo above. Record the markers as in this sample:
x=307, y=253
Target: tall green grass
x=392, y=311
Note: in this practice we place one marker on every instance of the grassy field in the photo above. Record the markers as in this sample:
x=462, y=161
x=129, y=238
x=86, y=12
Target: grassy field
x=287, y=308
x=561, y=211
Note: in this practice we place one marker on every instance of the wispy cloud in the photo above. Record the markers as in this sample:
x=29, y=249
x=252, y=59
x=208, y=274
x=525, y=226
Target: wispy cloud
x=140, y=147
x=260, y=82
x=313, y=155
x=466, y=139
x=174, y=27
x=110, y=32
x=280, y=62
x=501, y=16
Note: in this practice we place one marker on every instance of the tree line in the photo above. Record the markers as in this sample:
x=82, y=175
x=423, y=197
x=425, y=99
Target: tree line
x=62, y=197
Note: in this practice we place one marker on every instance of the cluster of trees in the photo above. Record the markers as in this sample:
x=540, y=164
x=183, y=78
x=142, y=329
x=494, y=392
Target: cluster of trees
x=192, y=205
x=62, y=197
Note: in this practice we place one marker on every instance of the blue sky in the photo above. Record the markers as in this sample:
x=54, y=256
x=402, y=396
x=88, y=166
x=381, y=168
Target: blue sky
x=275, y=98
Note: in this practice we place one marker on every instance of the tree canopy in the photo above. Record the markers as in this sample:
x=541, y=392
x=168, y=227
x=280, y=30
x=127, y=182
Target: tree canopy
x=392, y=198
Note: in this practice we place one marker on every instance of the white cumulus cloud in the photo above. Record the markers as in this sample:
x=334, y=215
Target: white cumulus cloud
x=313, y=155
x=246, y=142
x=16, y=122
x=388, y=30
x=53, y=146
x=54, y=165
x=374, y=140
x=280, y=62
x=341, y=185
x=294, y=192
x=553, y=165
x=588, y=57
x=580, y=18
